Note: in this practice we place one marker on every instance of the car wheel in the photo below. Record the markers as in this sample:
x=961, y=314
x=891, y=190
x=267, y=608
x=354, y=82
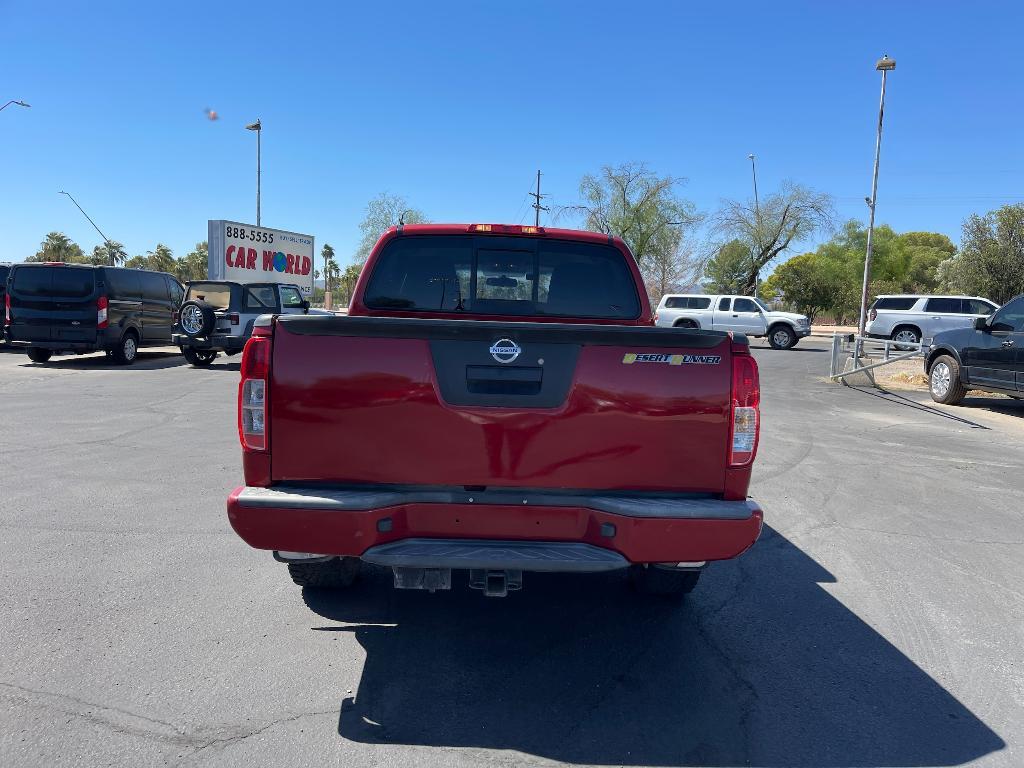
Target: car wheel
x=687, y=324
x=338, y=573
x=126, y=352
x=202, y=357
x=37, y=355
x=781, y=337
x=944, y=381
x=907, y=335
x=659, y=580
x=196, y=319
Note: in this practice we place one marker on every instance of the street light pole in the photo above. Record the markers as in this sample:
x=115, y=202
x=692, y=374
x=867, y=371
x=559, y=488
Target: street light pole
x=753, y=171
x=258, y=127
x=884, y=65
x=14, y=101
x=106, y=240
x=757, y=223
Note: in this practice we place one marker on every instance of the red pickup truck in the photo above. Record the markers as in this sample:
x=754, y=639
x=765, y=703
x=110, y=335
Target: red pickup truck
x=497, y=401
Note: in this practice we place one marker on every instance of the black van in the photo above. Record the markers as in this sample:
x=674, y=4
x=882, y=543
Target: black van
x=55, y=307
x=5, y=270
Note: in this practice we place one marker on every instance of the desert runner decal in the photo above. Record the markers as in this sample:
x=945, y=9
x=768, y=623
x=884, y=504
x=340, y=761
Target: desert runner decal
x=633, y=357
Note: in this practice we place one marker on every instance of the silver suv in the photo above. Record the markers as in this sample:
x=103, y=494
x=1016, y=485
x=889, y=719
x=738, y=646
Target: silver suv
x=912, y=317
x=218, y=315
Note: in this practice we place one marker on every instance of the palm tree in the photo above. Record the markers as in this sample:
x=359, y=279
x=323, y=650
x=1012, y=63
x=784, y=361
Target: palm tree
x=58, y=247
x=160, y=259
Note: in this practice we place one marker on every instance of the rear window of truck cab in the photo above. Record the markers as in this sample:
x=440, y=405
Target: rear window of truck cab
x=503, y=276
x=687, y=302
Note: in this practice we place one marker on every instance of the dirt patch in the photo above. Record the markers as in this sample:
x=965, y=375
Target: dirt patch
x=915, y=380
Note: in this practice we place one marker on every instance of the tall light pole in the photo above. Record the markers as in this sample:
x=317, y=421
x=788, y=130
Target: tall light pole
x=885, y=65
x=757, y=223
x=258, y=127
x=13, y=101
x=106, y=240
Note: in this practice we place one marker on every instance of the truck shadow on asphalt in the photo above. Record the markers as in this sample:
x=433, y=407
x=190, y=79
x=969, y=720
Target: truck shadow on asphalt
x=760, y=666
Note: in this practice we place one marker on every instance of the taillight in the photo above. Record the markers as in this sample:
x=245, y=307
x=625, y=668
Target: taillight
x=7, y=309
x=101, y=313
x=233, y=318
x=252, y=393
x=746, y=416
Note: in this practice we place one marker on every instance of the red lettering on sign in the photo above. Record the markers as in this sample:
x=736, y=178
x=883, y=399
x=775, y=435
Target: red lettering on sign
x=268, y=261
x=290, y=269
x=250, y=259
x=227, y=256
x=307, y=264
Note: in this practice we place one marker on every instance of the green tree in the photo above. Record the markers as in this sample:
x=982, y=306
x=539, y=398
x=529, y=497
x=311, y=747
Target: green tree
x=330, y=265
x=137, y=262
x=771, y=228
x=160, y=259
x=639, y=206
x=59, y=247
x=331, y=268
x=101, y=254
x=383, y=212
x=809, y=283
x=346, y=283
x=991, y=258
x=727, y=270
x=194, y=265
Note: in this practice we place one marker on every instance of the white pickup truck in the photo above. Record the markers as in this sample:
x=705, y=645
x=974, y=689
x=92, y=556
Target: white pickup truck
x=741, y=314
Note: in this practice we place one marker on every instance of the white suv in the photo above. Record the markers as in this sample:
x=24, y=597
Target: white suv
x=913, y=317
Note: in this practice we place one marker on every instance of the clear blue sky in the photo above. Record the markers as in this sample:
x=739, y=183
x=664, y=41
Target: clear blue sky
x=455, y=105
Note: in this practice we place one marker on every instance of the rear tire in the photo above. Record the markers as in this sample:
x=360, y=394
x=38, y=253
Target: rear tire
x=127, y=350
x=37, y=355
x=781, y=337
x=664, y=582
x=944, y=382
x=338, y=573
x=198, y=358
x=908, y=334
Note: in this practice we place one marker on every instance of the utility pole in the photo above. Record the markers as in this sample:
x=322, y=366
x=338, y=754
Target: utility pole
x=884, y=65
x=106, y=240
x=537, y=207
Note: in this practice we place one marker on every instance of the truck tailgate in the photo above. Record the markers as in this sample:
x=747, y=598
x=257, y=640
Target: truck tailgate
x=363, y=400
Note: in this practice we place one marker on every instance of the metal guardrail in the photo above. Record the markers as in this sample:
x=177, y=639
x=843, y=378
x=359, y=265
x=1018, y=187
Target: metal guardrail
x=850, y=344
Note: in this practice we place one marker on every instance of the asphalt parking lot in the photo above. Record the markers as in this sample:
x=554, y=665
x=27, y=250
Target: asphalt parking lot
x=878, y=621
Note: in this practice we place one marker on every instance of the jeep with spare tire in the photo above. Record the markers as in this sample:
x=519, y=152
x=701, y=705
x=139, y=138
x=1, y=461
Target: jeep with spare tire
x=218, y=315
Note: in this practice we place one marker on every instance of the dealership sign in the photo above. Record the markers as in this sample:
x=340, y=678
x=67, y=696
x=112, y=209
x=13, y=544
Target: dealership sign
x=244, y=253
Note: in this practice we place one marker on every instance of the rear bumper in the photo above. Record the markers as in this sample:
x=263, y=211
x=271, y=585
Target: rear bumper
x=614, y=530
x=218, y=343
